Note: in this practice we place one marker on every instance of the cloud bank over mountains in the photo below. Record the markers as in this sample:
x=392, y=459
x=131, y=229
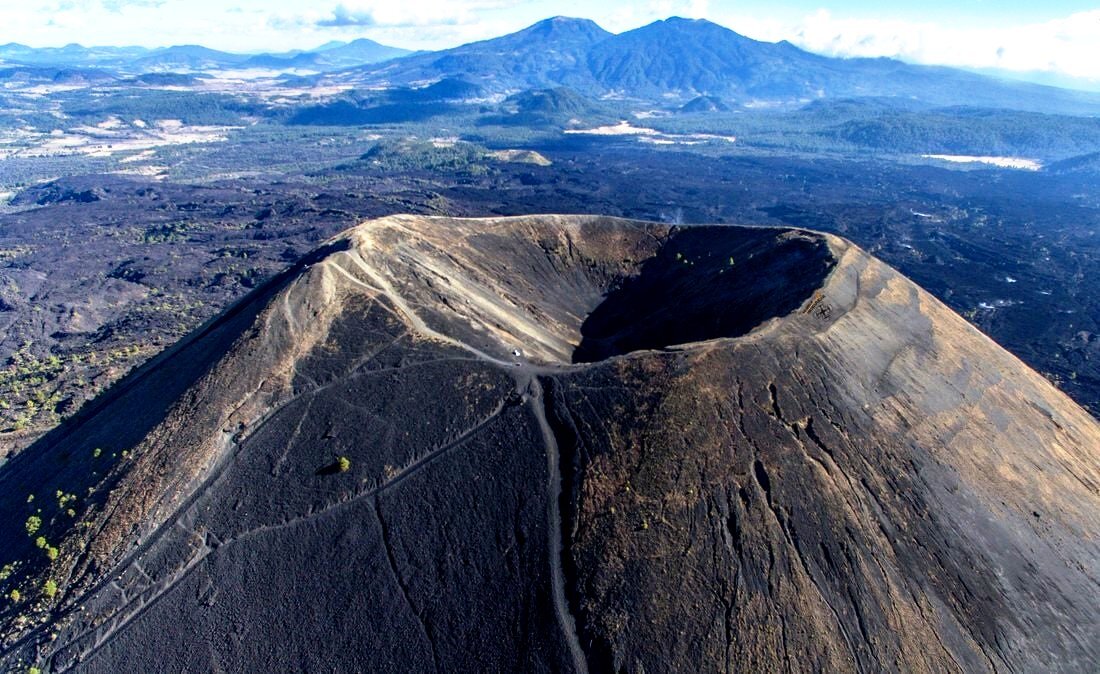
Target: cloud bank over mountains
x=1069, y=46
x=1063, y=47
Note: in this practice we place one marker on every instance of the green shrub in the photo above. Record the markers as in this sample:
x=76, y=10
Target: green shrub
x=50, y=588
x=33, y=523
x=343, y=464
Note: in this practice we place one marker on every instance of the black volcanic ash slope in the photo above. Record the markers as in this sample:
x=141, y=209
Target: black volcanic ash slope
x=572, y=444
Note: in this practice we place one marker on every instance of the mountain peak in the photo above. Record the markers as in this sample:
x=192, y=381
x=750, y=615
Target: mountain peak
x=678, y=59
x=690, y=57
x=698, y=26
x=331, y=44
x=566, y=26
x=565, y=21
x=686, y=20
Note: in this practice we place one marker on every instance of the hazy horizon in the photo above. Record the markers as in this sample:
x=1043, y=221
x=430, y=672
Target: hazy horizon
x=1056, y=42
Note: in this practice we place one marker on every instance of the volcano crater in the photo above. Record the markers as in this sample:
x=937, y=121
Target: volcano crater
x=583, y=292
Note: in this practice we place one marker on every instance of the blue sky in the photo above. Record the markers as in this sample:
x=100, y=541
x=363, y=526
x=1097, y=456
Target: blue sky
x=1060, y=38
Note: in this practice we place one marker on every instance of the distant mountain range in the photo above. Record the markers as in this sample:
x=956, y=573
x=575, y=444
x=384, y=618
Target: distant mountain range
x=330, y=56
x=682, y=59
x=692, y=63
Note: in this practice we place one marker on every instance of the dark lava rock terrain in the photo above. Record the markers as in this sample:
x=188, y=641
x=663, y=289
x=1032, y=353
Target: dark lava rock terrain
x=557, y=443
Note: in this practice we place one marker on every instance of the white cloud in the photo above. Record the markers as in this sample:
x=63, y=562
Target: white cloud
x=1069, y=46
x=403, y=14
x=414, y=24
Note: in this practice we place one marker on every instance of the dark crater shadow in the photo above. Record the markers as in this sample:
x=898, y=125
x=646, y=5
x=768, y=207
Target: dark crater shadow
x=706, y=283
